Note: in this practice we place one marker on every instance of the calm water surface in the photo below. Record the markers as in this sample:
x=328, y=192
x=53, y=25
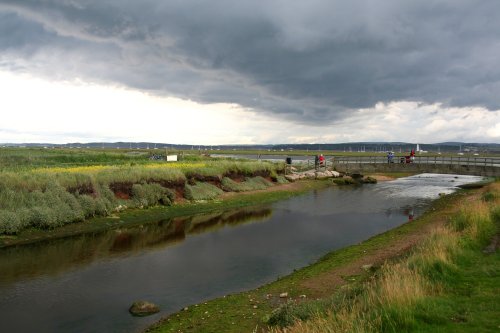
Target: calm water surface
x=87, y=283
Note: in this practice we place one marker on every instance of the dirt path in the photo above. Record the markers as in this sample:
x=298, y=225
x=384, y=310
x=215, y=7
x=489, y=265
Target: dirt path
x=326, y=283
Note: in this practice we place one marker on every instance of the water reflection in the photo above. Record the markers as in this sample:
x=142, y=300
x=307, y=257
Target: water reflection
x=55, y=257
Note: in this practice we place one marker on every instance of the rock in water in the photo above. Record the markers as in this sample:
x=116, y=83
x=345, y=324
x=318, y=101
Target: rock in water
x=143, y=308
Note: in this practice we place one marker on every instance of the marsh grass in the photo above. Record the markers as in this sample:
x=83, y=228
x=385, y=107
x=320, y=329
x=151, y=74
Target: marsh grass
x=250, y=184
x=425, y=291
x=46, y=196
x=202, y=191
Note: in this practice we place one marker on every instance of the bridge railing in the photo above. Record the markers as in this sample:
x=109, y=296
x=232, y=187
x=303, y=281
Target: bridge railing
x=448, y=160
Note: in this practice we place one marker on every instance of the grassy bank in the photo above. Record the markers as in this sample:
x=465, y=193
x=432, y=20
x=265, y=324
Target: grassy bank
x=133, y=217
x=50, y=197
x=447, y=284
x=337, y=294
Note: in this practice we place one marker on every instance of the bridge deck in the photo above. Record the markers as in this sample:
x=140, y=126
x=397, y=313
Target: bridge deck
x=481, y=166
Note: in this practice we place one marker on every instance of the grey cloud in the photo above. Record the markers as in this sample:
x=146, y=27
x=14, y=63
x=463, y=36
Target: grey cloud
x=312, y=61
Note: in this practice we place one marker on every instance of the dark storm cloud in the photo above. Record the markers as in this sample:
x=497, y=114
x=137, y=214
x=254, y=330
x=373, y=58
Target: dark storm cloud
x=311, y=61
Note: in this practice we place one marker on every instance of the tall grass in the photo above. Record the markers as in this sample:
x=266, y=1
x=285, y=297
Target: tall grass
x=391, y=301
x=250, y=184
x=48, y=197
x=202, y=191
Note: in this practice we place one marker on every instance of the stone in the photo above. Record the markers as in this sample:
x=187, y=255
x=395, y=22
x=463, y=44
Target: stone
x=321, y=175
x=143, y=308
x=310, y=175
x=292, y=177
x=283, y=295
x=367, y=267
x=335, y=174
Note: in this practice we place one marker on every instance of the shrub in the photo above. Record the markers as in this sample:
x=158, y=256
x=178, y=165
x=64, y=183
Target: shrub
x=230, y=185
x=44, y=218
x=101, y=206
x=25, y=217
x=250, y=184
x=10, y=223
x=281, y=180
x=151, y=194
x=88, y=205
x=201, y=191
x=488, y=196
x=343, y=181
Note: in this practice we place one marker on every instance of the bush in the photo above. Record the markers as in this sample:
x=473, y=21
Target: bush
x=10, y=223
x=281, y=180
x=102, y=206
x=230, y=185
x=151, y=194
x=44, y=218
x=488, y=196
x=88, y=204
x=250, y=184
x=201, y=191
x=343, y=181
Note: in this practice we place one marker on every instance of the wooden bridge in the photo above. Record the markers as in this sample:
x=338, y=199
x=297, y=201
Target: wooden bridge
x=462, y=165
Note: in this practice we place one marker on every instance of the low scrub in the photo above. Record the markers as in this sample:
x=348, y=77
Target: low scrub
x=146, y=195
x=343, y=181
x=48, y=197
x=250, y=184
x=202, y=191
x=51, y=207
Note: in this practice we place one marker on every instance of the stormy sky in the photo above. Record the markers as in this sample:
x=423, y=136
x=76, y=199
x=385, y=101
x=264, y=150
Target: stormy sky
x=225, y=71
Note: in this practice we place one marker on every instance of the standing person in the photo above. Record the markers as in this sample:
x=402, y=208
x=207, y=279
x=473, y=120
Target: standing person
x=316, y=162
x=412, y=156
x=389, y=157
x=321, y=160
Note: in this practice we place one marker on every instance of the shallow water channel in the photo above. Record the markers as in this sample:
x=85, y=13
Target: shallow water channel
x=87, y=283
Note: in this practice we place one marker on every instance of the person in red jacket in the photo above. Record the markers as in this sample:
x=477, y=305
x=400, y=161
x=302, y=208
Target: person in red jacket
x=321, y=160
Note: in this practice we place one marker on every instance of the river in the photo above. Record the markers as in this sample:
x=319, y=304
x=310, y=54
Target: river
x=87, y=283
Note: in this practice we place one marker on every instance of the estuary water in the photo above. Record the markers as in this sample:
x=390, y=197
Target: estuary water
x=87, y=283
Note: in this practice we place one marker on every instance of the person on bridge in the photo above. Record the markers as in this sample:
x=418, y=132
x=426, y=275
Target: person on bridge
x=321, y=160
x=390, y=157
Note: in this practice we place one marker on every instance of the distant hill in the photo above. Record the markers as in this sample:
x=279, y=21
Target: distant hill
x=345, y=147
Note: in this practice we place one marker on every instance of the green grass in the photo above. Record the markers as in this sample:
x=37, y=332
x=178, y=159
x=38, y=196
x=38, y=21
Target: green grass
x=446, y=285
x=17, y=159
x=202, y=191
x=249, y=184
x=470, y=302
